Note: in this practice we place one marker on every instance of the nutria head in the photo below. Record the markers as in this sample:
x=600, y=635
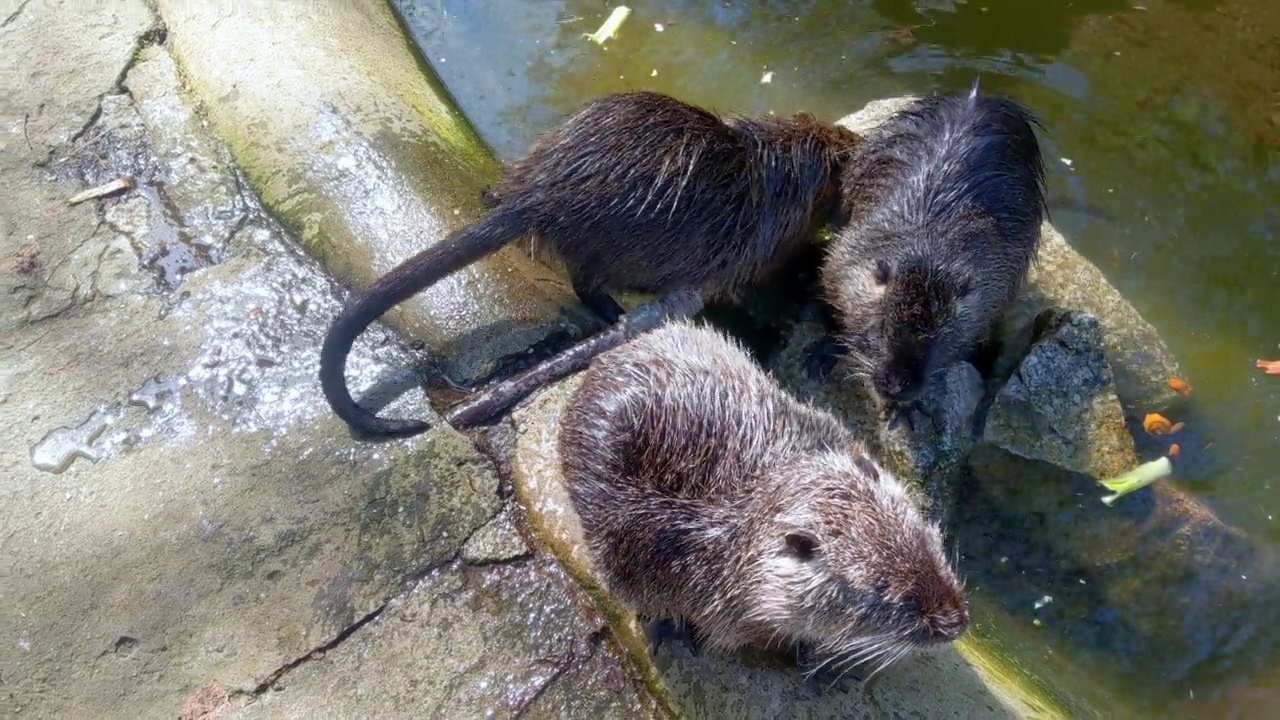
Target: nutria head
x=912, y=316
x=849, y=566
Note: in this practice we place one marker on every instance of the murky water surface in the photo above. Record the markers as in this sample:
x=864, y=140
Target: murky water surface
x=1162, y=132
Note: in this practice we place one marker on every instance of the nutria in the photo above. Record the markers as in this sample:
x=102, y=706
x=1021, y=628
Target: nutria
x=710, y=496
x=635, y=192
x=943, y=204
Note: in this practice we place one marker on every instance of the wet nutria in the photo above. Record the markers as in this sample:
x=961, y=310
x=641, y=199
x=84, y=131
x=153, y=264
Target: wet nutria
x=709, y=495
x=943, y=203
x=635, y=192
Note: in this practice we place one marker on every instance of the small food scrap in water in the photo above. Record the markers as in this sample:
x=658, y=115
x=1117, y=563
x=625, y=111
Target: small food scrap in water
x=1066, y=161
x=1179, y=386
x=611, y=24
x=768, y=77
x=1136, y=479
x=121, y=183
x=1270, y=367
x=1157, y=424
x=1174, y=450
x=657, y=27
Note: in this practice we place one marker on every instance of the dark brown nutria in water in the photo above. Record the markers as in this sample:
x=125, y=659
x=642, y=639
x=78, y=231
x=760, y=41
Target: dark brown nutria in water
x=710, y=496
x=944, y=204
x=635, y=192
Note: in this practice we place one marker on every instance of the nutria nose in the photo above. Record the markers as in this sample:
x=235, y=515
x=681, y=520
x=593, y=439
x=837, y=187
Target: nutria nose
x=896, y=388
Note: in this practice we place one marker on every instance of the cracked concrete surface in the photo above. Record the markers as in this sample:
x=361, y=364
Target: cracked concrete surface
x=186, y=528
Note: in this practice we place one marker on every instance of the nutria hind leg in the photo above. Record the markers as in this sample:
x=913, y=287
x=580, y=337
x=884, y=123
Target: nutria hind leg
x=664, y=629
x=500, y=396
x=824, y=674
x=600, y=303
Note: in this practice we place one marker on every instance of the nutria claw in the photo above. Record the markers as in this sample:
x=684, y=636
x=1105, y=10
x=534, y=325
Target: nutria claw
x=660, y=631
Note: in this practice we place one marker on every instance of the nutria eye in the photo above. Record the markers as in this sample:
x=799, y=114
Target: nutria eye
x=882, y=272
x=801, y=545
x=964, y=287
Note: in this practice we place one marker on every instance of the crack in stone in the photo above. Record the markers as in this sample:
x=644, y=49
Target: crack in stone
x=14, y=15
x=154, y=35
x=315, y=654
x=570, y=662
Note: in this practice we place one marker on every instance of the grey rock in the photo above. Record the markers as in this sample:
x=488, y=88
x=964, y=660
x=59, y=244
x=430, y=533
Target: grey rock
x=58, y=61
x=927, y=451
x=497, y=541
x=1060, y=405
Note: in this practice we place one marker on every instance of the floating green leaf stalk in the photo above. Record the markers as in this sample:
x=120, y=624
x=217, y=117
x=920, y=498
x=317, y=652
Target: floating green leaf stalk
x=611, y=25
x=1138, y=478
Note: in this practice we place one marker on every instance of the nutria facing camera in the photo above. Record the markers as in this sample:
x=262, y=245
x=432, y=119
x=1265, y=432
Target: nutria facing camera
x=711, y=496
x=635, y=192
x=944, y=203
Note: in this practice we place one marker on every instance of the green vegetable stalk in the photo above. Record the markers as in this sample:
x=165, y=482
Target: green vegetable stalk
x=611, y=24
x=1136, y=479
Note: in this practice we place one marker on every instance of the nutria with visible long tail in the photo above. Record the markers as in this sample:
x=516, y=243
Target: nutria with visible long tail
x=635, y=192
x=944, y=204
x=709, y=495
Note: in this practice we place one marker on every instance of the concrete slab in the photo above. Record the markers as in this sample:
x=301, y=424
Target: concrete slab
x=185, y=524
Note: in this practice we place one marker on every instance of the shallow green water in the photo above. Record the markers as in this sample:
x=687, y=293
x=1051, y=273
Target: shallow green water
x=1162, y=134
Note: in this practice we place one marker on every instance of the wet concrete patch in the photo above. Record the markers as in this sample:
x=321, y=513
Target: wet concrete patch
x=183, y=515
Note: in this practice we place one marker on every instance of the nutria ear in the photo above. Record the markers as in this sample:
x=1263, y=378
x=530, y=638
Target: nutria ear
x=801, y=544
x=882, y=271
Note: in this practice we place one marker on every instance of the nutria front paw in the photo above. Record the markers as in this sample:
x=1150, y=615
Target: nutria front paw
x=659, y=631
